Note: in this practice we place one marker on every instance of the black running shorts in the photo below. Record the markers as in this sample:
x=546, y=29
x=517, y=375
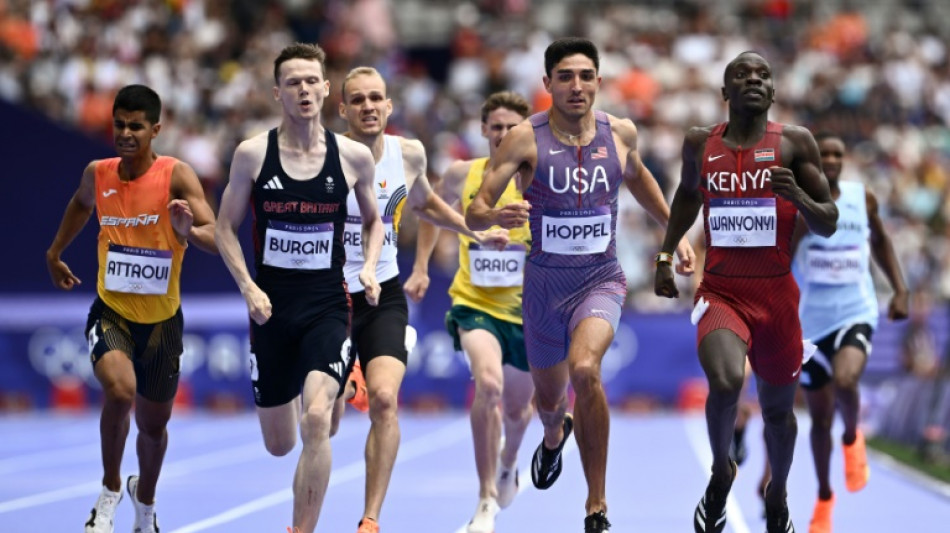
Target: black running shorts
x=819, y=370
x=307, y=331
x=381, y=330
x=155, y=349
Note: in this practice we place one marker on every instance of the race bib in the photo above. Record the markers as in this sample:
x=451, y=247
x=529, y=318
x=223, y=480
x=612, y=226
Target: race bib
x=353, y=239
x=576, y=231
x=496, y=268
x=137, y=270
x=742, y=222
x=298, y=246
x=834, y=266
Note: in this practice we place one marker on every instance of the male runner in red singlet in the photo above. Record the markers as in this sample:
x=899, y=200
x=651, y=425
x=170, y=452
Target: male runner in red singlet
x=751, y=177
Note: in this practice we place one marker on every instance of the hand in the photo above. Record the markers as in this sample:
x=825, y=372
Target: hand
x=687, y=258
x=416, y=286
x=258, y=305
x=784, y=184
x=663, y=284
x=898, y=309
x=495, y=239
x=181, y=217
x=370, y=286
x=62, y=277
x=513, y=215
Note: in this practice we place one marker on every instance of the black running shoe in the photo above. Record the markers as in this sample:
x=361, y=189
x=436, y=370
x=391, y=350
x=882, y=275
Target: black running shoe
x=777, y=520
x=596, y=523
x=546, y=464
x=710, y=515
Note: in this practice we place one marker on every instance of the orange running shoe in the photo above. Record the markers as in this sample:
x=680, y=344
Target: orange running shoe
x=856, y=470
x=368, y=525
x=360, y=399
x=294, y=530
x=821, y=517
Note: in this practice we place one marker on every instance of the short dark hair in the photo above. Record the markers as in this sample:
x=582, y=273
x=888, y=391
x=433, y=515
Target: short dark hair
x=569, y=46
x=507, y=99
x=308, y=51
x=139, y=98
x=825, y=134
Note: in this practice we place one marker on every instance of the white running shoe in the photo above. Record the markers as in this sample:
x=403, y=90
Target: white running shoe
x=506, y=484
x=484, y=519
x=145, y=519
x=102, y=516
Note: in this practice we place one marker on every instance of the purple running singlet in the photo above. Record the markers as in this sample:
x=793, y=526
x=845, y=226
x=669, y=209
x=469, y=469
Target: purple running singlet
x=572, y=271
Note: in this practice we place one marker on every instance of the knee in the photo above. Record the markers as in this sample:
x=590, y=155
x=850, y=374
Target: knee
x=585, y=377
x=120, y=394
x=780, y=418
x=846, y=382
x=315, y=424
x=726, y=383
x=279, y=446
x=488, y=388
x=822, y=422
x=382, y=404
x=518, y=414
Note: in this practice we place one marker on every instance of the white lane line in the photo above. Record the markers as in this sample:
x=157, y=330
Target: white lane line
x=699, y=441
x=181, y=467
x=524, y=480
x=418, y=447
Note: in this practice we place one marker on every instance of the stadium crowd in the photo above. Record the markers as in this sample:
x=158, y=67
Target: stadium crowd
x=879, y=77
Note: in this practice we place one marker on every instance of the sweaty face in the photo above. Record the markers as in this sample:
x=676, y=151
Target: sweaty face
x=748, y=83
x=302, y=88
x=832, y=156
x=365, y=105
x=132, y=133
x=573, y=85
x=499, y=123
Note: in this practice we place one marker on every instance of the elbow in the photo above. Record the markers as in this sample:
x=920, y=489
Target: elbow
x=474, y=222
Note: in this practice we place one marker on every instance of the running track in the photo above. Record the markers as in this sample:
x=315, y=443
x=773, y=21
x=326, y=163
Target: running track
x=218, y=478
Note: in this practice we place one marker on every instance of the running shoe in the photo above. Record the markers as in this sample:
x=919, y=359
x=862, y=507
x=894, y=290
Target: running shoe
x=360, y=399
x=484, y=519
x=777, y=520
x=710, y=515
x=145, y=519
x=856, y=470
x=506, y=481
x=368, y=525
x=102, y=516
x=546, y=464
x=596, y=523
x=821, y=517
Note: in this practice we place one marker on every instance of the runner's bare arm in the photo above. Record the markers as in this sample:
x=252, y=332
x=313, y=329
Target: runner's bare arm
x=245, y=165
x=687, y=202
x=882, y=248
x=189, y=209
x=357, y=160
x=518, y=150
x=449, y=189
x=803, y=182
x=78, y=211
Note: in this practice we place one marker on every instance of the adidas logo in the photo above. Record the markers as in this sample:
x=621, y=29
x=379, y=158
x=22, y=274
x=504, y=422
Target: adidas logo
x=337, y=368
x=274, y=183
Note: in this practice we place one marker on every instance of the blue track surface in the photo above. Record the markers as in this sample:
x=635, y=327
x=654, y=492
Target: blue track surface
x=218, y=478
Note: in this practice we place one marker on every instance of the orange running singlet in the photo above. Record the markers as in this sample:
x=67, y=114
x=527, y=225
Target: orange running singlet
x=139, y=254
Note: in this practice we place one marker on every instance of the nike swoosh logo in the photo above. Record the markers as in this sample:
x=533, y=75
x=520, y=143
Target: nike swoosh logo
x=714, y=157
x=552, y=151
x=795, y=373
x=110, y=192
